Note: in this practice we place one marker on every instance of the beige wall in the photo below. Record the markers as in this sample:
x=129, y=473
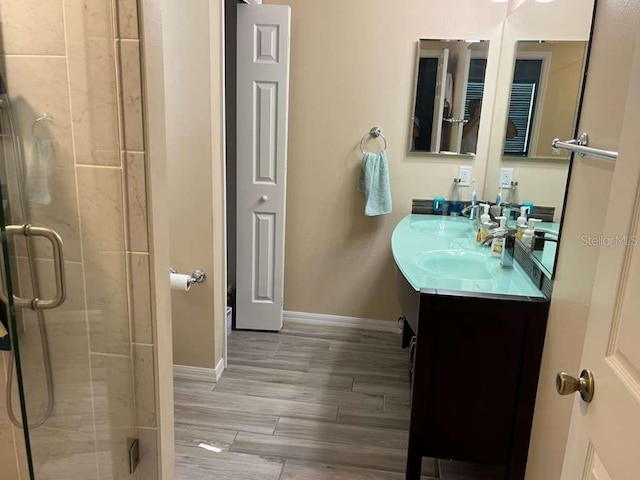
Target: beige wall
x=352, y=67
x=193, y=96
x=562, y=91
x=541, y=181
x=188, y=121
x=606, y=89
x=76, y=62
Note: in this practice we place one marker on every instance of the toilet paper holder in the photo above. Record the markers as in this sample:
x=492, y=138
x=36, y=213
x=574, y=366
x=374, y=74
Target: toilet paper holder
x=197, y=276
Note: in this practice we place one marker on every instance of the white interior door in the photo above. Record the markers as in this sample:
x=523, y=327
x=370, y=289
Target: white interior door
x=604, y=439
x=438, y=104
x=263, y=98
x=464, y=64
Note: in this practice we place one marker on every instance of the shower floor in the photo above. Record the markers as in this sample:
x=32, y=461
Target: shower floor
x=311, y=402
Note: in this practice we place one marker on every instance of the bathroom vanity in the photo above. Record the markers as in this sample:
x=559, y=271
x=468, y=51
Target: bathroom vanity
x=475, y=332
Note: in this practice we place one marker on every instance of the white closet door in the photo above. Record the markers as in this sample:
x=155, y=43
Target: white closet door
x=438, y=104
x=263, y=98
x=464, y=61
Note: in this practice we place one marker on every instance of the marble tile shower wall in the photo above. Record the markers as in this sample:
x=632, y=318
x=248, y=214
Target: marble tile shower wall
x=79, y=61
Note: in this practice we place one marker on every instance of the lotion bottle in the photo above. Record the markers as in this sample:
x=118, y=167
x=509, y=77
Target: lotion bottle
x=498, y=242
x=530, y=233
x=485, y=219
x=521, y=222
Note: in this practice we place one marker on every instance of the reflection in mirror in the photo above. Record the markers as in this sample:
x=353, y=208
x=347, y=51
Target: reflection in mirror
x=544, y=97
x=543, y=105
x=448, y=97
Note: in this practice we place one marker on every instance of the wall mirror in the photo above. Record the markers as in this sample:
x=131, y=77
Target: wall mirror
x=448, y=96
x=543, y=57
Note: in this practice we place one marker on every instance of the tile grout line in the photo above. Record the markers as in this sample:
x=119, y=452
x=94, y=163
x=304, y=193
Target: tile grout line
x=284, y=464
x=276, y=427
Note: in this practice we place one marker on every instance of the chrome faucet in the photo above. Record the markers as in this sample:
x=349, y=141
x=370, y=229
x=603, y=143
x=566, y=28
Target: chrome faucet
x=498, y=232
x=469, y=211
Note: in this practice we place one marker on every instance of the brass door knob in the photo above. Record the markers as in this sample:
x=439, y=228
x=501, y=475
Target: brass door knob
x=567, y=384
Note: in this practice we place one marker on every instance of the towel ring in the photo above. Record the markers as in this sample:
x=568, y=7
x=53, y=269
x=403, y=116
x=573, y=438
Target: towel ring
x=38, y=121
x=375, y=132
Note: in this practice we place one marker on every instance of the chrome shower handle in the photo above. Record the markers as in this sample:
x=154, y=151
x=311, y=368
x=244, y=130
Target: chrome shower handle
x=58, y=265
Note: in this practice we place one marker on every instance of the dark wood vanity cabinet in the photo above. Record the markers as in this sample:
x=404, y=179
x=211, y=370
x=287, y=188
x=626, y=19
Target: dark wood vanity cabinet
x=476, y=360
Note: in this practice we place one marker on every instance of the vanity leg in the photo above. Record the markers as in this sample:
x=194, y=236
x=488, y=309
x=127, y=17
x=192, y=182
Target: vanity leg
x=407, y=333
x=414, y=466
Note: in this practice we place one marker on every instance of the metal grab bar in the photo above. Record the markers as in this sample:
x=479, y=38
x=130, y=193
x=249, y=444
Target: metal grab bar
x=455, y=120
x=579, y=146
x=58, y=265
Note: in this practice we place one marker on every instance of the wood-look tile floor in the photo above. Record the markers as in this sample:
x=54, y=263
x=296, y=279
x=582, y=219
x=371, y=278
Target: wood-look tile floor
x=313, y=402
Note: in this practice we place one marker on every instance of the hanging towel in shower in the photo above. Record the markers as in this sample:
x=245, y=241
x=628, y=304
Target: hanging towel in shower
x=38, y=172
x=374, y=183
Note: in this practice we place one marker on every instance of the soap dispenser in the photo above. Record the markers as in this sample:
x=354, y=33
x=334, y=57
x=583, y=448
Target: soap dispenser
x=530, y=233
x=485, y=220
x=521, y=222
x=498, y=242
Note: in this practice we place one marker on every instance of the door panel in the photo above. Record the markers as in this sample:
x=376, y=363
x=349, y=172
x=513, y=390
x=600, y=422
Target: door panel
x=263, y=91
x=265, y=113
x=594, y=469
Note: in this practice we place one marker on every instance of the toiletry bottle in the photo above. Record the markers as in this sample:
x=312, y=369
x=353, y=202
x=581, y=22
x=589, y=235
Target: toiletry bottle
x=499, y=198
x=530, y=233
x=529, y=205
x=455, y=206
x=498, y=242
x=521, y=223
x=485, y=220
x=507, y=211
x=438, y=205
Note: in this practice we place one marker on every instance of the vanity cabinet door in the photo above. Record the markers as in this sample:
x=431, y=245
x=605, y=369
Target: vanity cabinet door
x=475, y=379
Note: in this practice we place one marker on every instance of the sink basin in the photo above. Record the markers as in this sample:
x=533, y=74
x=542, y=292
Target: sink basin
x=457, y=264
x=441, y=228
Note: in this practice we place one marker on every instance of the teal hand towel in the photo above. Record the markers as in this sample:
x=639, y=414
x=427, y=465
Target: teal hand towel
x=374, y=183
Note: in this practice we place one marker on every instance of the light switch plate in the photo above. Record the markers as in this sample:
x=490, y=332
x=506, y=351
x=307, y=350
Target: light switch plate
x=464, y=175
x=506, y=177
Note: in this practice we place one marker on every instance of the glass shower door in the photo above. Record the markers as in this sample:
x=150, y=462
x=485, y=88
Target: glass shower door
x=16, y=455
x=68, y=376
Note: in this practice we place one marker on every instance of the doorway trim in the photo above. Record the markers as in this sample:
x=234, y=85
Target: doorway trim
x=152, y=70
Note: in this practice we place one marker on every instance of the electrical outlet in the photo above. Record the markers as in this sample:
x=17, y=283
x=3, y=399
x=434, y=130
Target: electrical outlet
x=464, y=175
x=506, y=177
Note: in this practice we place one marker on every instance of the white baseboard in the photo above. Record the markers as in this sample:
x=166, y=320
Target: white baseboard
x=199, y=373
x=340, y=321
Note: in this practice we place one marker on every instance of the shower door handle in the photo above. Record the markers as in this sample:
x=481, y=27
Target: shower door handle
x=58, y=265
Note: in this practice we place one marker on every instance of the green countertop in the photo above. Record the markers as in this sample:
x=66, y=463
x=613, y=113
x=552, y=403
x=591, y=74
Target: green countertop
x=440, y=252
x=547, y=256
